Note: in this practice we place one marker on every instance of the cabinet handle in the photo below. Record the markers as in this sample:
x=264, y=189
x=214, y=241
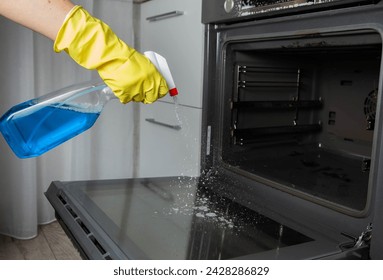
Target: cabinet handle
x=176, y=127
x=165, y=15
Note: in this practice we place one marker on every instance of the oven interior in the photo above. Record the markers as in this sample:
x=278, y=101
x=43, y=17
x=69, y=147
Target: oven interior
x=299, y=113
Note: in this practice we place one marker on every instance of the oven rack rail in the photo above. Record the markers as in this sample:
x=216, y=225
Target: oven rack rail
x=265, y=84
x=277, y=104
x=264, y=69
x=247, y=134
x=268, y=77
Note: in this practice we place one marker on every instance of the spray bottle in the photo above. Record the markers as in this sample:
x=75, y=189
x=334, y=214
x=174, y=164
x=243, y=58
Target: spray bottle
x=39, y=125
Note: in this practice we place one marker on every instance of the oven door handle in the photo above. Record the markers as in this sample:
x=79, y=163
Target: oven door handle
x=175, y=127
x=165, y=15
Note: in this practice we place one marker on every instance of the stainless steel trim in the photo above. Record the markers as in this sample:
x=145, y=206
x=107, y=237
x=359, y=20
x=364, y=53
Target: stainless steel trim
x=175, y=127
x=165, y=15
x=208, y=140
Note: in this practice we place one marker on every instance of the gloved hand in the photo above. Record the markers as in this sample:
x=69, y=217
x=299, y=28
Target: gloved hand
x=93, y=45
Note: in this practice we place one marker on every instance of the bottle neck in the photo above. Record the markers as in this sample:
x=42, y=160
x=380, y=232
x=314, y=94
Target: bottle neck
x=108, y=94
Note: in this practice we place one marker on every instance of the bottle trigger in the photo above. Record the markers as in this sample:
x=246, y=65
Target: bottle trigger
x=162, y=66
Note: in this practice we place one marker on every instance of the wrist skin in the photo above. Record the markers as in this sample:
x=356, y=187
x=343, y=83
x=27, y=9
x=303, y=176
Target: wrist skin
x=42, y=16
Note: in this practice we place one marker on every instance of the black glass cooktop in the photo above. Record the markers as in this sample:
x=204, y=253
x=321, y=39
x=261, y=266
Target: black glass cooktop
x=167, y=218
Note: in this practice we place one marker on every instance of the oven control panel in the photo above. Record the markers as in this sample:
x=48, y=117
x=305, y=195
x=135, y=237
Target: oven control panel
x=229, y=10
x=263, y=6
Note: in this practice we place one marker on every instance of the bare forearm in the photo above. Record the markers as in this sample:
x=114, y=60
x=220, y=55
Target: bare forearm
x=42, y=16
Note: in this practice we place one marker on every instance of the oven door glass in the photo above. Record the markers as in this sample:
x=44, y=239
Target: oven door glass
x=172, y=218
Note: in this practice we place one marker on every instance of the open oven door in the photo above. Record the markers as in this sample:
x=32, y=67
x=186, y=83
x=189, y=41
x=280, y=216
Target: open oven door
x=175, y=218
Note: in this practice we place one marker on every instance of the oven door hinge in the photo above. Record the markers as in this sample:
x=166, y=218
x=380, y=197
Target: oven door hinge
x=359, y=247
x=364, y=238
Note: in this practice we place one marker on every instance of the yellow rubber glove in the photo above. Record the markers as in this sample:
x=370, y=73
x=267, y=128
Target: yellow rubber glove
x=93, y=45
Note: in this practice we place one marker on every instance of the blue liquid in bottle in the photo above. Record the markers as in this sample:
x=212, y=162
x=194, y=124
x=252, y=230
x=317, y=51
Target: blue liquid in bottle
x=39, y=125
x=35, y=133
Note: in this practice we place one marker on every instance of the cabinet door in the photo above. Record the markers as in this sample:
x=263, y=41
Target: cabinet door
x=169, y=144
x=173, y=29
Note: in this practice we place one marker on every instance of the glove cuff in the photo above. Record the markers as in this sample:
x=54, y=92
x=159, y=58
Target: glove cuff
x=62, y=39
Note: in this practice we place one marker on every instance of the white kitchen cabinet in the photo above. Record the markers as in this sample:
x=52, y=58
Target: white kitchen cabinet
x=173, y=29
x=170, y=140
x=169, y=144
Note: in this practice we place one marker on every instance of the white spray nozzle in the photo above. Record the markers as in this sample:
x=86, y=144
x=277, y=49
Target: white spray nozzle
x=163, y=67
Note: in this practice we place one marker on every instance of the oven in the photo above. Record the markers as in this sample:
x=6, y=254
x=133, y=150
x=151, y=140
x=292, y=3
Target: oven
x=292, y=92
x=291, y=154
